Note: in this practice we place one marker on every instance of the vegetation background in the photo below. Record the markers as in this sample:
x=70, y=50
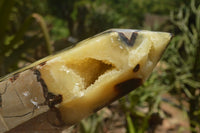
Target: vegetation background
x=168, y=102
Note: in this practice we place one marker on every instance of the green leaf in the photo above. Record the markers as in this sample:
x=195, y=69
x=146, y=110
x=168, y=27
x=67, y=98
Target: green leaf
x=131, y=127
x=5, y=11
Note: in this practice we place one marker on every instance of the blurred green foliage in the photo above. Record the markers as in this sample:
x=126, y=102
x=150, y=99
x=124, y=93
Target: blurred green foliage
x=186, y=78
x=17, y=32
x=32, y=29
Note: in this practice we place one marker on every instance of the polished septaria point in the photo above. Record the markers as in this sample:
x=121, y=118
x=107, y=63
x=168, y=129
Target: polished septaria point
x=79, y=81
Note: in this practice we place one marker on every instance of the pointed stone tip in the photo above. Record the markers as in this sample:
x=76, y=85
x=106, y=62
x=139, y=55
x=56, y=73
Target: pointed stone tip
x=129, y=36
x=171, y=35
